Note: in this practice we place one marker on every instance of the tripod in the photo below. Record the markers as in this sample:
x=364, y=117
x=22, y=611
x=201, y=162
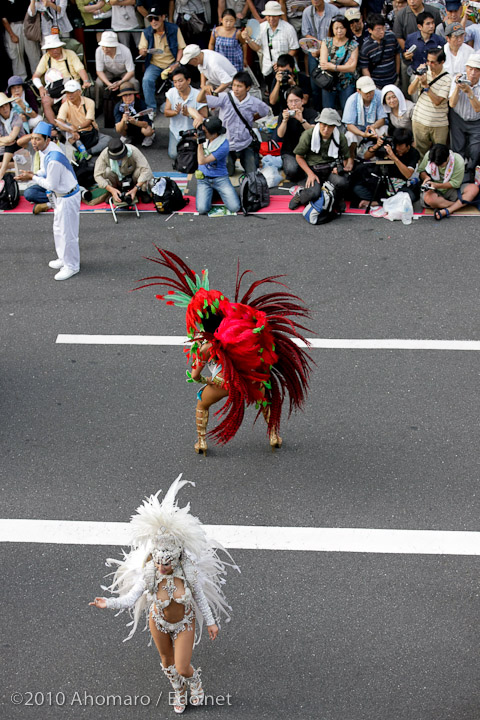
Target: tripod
x=382, y=177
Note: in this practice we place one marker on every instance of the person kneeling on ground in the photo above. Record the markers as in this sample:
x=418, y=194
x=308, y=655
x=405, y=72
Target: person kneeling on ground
x=131, y=129
x=295, y=119
x=370, y=182
x=123, y=168
x=212, y=166
x=442, y=172
x=321, y=153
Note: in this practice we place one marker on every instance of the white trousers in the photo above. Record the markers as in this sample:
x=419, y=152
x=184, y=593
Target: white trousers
x=16, y=51
x=66, y=222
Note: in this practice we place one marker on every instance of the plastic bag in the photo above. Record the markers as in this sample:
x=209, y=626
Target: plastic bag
x=271, y=175
x=274, y=161
x=399, y=207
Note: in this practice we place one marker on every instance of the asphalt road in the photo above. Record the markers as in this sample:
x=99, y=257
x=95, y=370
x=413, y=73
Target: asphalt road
x=389, y=439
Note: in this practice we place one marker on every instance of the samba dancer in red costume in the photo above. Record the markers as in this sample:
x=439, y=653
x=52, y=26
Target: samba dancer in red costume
x=246, y=345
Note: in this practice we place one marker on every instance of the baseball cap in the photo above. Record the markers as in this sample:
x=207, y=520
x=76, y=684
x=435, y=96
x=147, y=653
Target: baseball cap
x=72, y=86
x=452, y=5
x=365, y=84
x=190, y=52
x=454, y=29
x=214, y=125
x=156, y=12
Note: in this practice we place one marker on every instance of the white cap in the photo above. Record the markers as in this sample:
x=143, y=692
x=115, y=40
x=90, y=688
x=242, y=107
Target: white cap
x=365, y=84
x=109, y=39
x=51, y=42
x=72, y=86
x=272, y=8
x=190, y=52
x=473, y=61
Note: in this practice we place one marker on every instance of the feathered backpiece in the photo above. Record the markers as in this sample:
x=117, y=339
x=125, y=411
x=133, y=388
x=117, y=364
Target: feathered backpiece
x=251, y=338
x=157, y=526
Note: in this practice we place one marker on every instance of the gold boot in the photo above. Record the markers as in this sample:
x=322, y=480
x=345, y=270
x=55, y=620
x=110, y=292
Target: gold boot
x=202, y=422
x=275, y=439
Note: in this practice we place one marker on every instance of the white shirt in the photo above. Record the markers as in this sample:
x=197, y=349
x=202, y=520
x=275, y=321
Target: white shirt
x=276, y=42
x=121, y=62
x=59, y=179
x=455, y=64
x=216, y=68
x=181, y=122
x=472, y=32
x=124, y=18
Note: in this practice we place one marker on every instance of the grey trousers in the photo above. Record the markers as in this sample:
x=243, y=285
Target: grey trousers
x=465, y=139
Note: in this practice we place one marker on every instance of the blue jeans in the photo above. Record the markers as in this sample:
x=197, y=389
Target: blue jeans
x=172, y=146
x=35, y=194
x=248, y=159
x=205, y=188
x=336, y=97
x=148, y=84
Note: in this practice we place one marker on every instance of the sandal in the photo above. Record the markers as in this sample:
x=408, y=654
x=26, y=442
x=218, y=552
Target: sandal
x=438, y=214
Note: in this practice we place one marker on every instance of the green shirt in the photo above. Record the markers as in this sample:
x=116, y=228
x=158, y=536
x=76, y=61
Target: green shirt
x=456, y=177
x=303, y=148
x=88, y=18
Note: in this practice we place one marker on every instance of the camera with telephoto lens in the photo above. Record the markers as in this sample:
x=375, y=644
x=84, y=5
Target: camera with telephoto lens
x=463, y=80
x=420, y=71
x=125, y=186
x=381, y=152
x=198, y=135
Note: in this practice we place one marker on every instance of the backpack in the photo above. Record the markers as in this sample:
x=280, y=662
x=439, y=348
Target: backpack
x=10, y=194
x=322, y=210
x=186, y=160
x=254, y=192
x=167, y=196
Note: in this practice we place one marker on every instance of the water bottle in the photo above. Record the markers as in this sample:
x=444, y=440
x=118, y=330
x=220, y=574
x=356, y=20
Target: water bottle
x=407, y=210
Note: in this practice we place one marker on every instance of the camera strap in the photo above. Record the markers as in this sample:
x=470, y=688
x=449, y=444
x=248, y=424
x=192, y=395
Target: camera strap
x=235, y=107
x=437, y=78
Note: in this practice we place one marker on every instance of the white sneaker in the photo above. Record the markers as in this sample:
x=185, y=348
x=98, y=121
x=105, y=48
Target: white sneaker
x=148, y=141
x=66, y=273
x=55, y=264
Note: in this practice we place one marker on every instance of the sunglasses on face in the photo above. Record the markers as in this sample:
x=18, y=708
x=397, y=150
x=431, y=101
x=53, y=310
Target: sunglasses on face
x=154, y=17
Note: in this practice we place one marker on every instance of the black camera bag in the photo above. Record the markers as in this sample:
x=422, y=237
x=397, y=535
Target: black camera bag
x=186, y=161
x=170, y=198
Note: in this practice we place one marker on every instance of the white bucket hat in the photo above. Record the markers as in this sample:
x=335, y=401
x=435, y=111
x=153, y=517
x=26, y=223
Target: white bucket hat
x=109, y=39
x=473, y=61
x=272, y=8
x=4, y=99
x=51, y=42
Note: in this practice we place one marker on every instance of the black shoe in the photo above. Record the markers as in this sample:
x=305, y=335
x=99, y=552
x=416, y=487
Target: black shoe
x=295, y=202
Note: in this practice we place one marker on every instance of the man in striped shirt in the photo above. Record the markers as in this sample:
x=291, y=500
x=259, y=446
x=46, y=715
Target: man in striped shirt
x=465, y=115
x=430, y=115
x=380, y=54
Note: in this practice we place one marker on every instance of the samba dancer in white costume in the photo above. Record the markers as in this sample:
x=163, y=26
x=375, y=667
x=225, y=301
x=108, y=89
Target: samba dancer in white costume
x=174, y=574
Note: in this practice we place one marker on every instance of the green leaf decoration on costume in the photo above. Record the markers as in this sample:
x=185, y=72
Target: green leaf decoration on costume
x=260, y=351
x=268, y=385
x=259, y=329
x=199, y=313
x=265, y=403
x=189, y=377
x=273, y=347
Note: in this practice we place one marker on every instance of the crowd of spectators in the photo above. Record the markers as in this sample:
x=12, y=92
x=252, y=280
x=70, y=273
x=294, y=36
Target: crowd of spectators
x=373, y=96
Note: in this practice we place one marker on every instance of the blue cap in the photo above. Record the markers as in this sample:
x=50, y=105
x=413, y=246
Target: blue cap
x=452, y=5
x=43, y=128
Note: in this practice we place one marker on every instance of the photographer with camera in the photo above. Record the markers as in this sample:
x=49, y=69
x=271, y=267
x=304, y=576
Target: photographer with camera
x=465, y=114
x=132, y=129
x=418, y=44
x=123, y=171
x=212, y=173
x=430, y=114
x=442, y=172
x=295, y=119
x=284, y=81
x=396, y=161
x=322, y=154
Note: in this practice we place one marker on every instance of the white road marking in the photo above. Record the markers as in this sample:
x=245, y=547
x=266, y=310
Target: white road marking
x=321, y=343
x=257, y=537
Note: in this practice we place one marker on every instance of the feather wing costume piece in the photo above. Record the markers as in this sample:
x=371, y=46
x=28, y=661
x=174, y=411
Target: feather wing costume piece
x=156, y=522
x=251, y=338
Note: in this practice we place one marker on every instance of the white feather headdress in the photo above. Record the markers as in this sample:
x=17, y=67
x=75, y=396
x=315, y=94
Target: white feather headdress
x=152, y=523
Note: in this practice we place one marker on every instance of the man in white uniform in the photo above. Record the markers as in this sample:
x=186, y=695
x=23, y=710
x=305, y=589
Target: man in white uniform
x=57, y=177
